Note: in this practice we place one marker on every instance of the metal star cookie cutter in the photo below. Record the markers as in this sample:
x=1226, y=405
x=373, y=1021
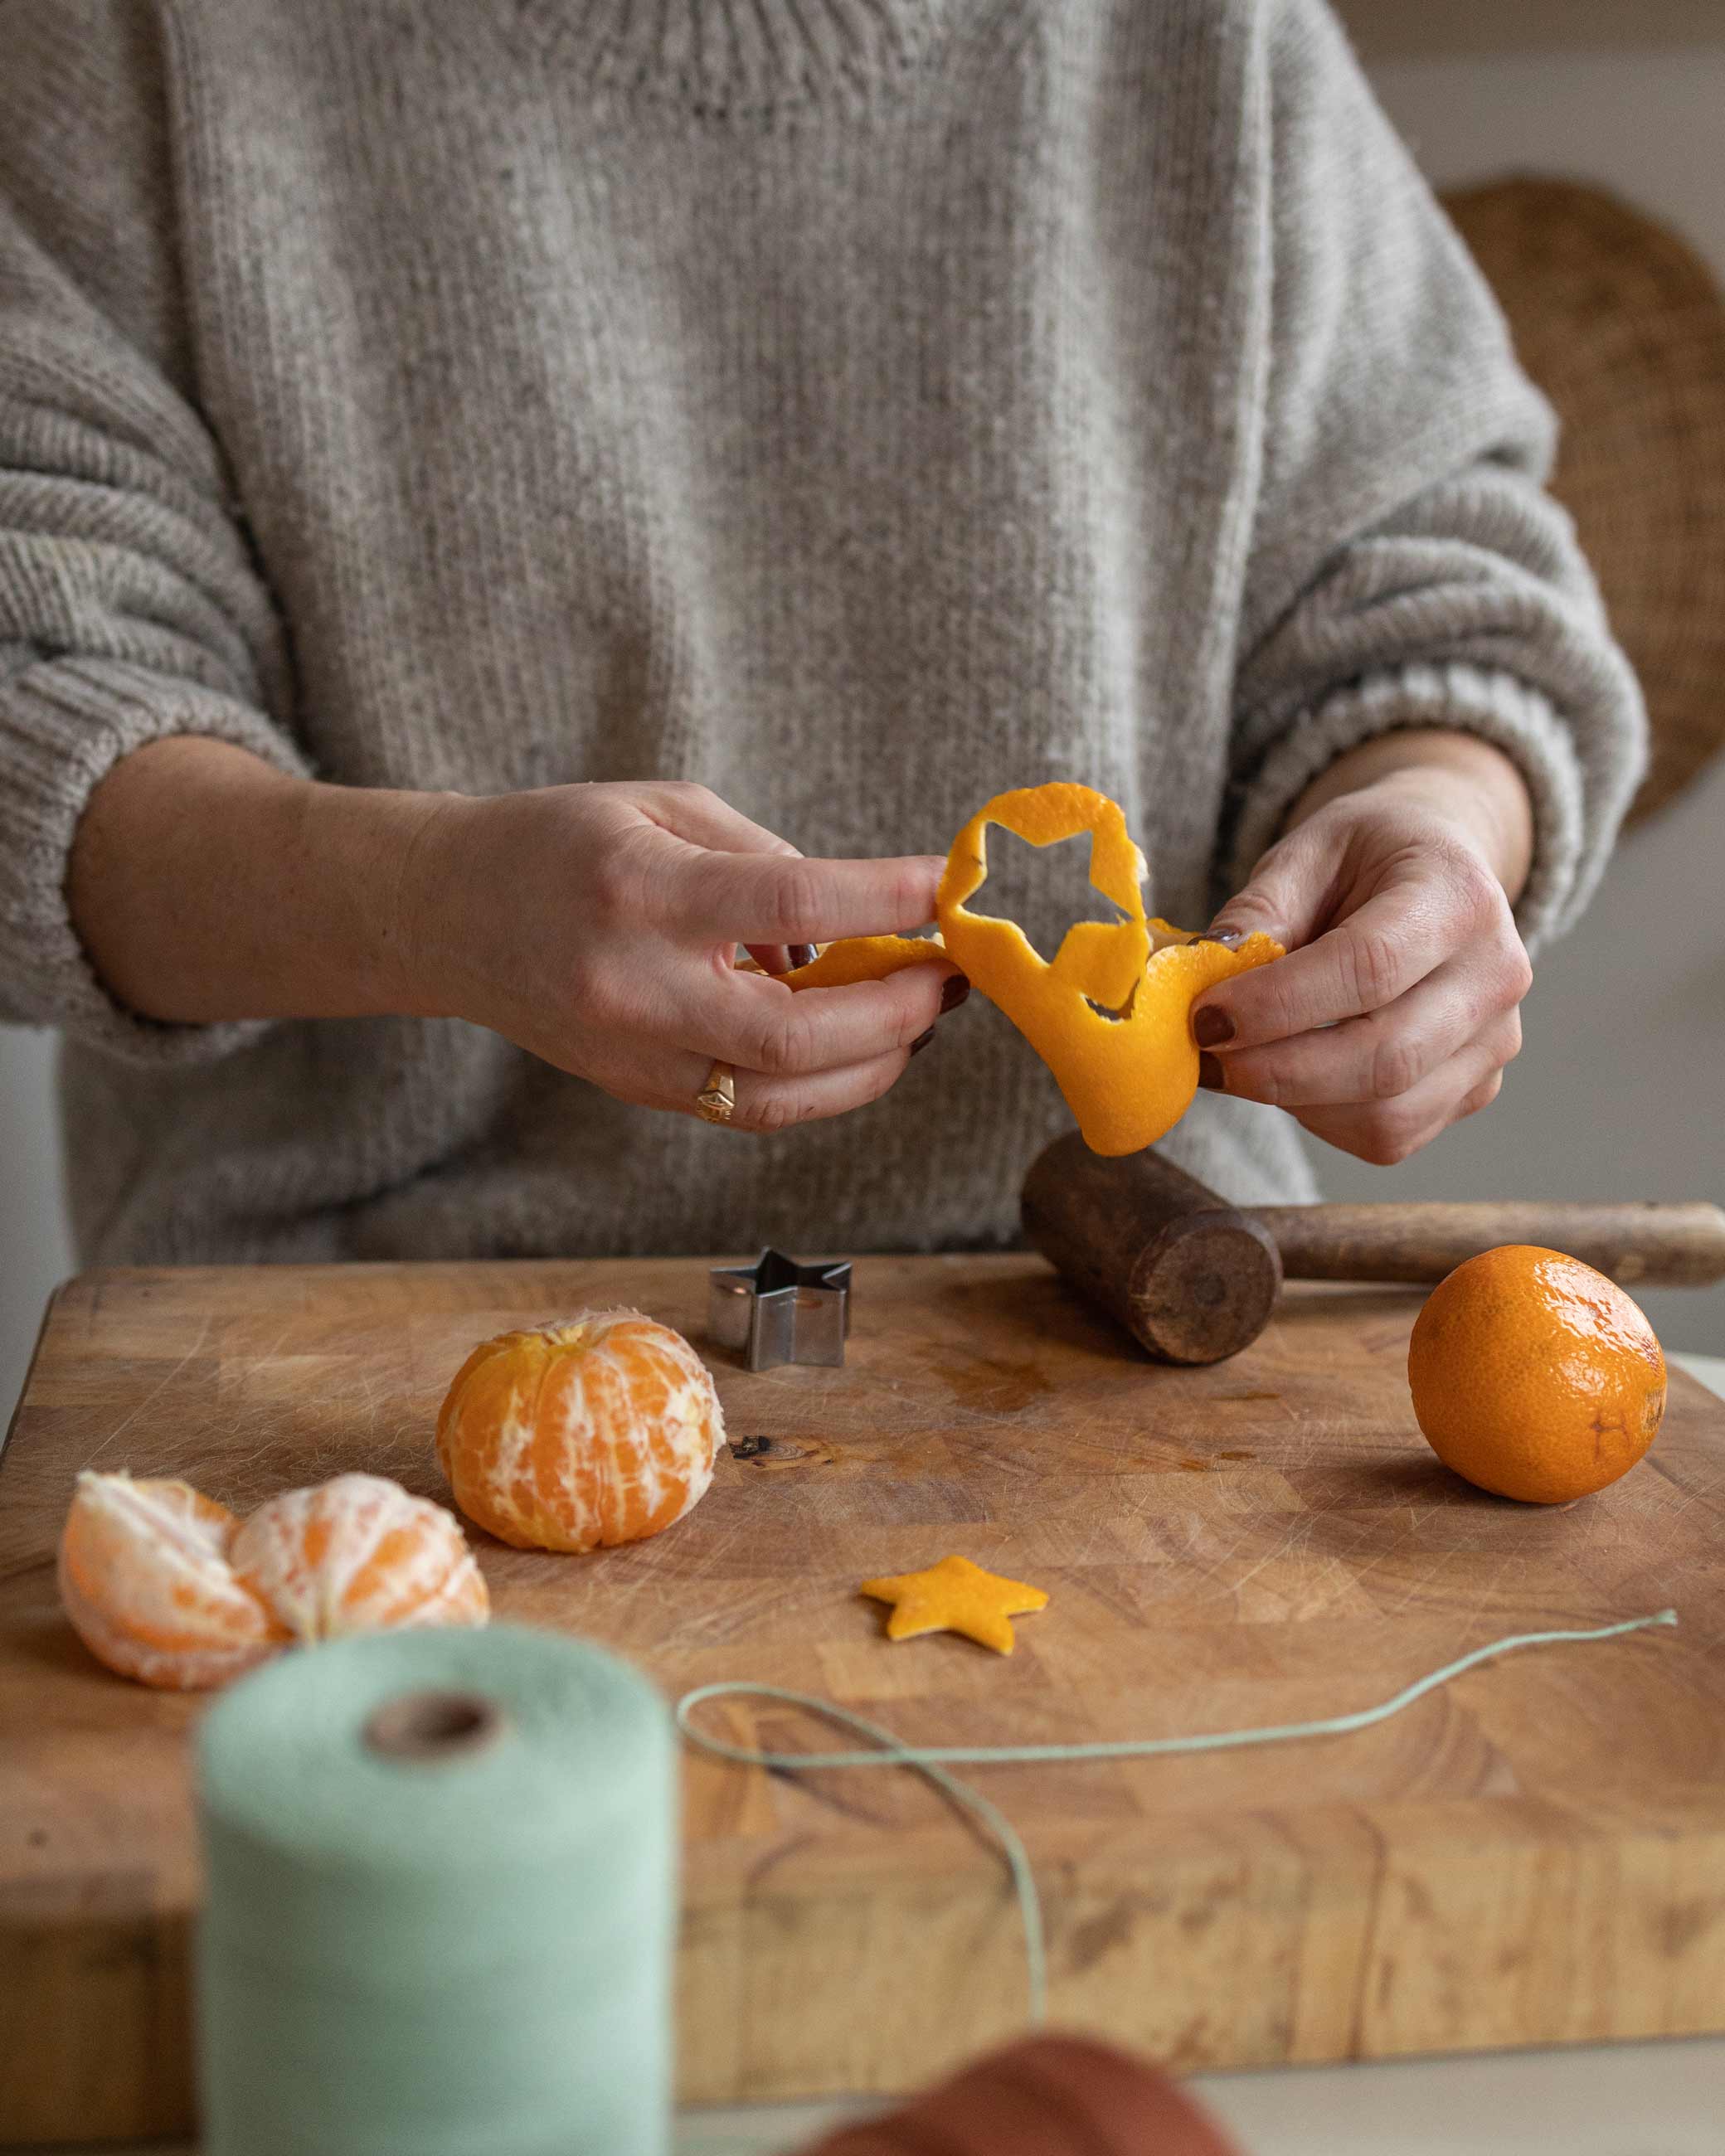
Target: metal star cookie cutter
x=776, y=1310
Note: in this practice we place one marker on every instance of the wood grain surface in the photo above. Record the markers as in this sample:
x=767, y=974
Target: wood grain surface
x=1537, y=1854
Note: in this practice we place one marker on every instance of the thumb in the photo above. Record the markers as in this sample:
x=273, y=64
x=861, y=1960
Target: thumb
x=1288, y=896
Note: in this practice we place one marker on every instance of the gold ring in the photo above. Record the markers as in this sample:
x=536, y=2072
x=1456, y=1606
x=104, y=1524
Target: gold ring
x=716, y=1101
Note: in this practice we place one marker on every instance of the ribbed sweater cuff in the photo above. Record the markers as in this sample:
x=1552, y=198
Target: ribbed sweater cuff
x=1498, y=707
x=63, y=725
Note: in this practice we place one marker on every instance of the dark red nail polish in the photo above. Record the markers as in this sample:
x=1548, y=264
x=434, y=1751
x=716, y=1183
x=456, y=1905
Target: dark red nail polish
x=1211, y=1074
x=922, y=1041
x=798, y=954
x=953, y=990
x=1212, y=1029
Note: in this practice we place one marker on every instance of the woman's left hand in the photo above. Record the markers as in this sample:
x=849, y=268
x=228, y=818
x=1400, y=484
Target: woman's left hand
x=1397, y=1008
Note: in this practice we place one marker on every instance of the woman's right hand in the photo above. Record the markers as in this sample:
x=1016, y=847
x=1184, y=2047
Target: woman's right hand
x=597, y=926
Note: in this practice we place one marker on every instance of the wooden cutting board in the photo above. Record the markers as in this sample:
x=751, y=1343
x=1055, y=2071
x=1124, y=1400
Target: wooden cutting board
x=1535, y=1855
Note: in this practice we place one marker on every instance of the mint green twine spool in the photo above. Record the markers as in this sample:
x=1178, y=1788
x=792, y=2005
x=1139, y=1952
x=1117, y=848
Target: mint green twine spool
x=441, y=1902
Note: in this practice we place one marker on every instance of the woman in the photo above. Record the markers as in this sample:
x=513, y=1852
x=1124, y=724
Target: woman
x=481, y=482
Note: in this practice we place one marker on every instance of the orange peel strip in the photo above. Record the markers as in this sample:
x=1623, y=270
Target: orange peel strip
x=856, y=958
x=1111, y=1014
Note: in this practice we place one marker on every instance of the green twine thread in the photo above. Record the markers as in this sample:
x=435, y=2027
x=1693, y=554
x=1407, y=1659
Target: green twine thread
x=932, y=1761
x=470, y=1951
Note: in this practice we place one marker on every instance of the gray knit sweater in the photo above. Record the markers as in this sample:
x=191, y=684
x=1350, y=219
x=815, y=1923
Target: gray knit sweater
x=860, y=406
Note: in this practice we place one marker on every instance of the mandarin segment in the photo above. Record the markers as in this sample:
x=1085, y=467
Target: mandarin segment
x=1534, y=1377
x=359, y=1554
x=581, y=1435
x=145, y=1581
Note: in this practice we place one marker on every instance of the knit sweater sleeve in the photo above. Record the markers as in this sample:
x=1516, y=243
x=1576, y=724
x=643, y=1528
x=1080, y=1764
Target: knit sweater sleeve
x=1407, y=567
x=131, y=608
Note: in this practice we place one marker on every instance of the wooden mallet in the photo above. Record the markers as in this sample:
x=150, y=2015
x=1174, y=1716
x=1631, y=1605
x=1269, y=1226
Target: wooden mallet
x=1195, y=1280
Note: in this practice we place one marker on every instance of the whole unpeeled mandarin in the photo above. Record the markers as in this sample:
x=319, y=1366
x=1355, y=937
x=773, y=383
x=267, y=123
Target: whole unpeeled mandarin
x=1534, y=1376
x=146, y=1580
x=359, y=1554
x=574, y=1437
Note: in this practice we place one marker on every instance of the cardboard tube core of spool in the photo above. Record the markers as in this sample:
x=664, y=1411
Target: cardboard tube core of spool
x=432, y=1726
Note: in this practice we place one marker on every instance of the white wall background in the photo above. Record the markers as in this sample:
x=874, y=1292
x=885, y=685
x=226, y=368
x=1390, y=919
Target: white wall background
x=1621, y=1090
x=35, y=1250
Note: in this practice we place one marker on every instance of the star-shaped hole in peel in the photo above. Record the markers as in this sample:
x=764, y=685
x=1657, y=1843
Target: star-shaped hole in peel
x=956, y=1596
x=1128, y=1082
x=1045, y=891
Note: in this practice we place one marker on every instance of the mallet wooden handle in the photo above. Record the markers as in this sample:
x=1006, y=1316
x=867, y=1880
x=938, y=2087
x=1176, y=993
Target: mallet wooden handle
x=1194, y=1278
x=1653, y=1246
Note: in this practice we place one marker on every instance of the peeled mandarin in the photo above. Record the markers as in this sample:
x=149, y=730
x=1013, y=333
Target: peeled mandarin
x=1535, y=1377
x=359, y=1554
x=144, y=1578
x=581, y=1435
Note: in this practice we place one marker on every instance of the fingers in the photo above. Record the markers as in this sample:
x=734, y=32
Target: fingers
x=781, y=957
x=696, y=814
x=1045, y=2096
x=1293, y=889
x=759, y=1025
x=759, y=898
x=1387, y=1052
x=1386, y=1131
x=825, y=1050
x=1420, y=914
x=1396, y=1008
x=1389, y=1027
x=765, y=1105
x=763, y=903
x=821, y=1052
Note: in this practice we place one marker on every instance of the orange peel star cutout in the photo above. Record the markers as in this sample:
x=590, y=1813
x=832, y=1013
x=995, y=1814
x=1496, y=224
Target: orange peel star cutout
x=1111, y=1014
x=956, y=1596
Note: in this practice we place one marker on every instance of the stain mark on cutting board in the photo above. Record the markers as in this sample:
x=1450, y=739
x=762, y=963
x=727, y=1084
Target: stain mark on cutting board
x=771, y=1454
